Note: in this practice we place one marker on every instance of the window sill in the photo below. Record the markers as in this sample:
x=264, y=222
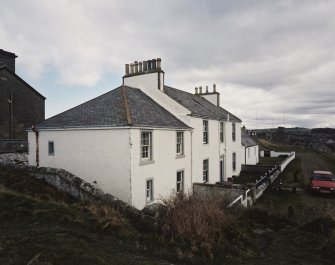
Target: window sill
x=180, y=156
x=146, y=162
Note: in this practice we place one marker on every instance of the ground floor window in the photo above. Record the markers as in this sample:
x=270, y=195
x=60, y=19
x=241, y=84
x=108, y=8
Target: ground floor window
x=51, y=148
x=205, y=170
x=180, y=181
x=149, y=190
x=234, y=161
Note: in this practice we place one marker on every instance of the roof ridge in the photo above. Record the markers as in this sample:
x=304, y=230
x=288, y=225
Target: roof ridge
x=126, y=105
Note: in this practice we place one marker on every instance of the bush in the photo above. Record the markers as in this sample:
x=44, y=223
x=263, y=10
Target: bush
x=197, y=222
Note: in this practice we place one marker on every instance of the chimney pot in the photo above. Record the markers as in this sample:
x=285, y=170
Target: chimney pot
x=127, y=69
x=214, y=87
x=196, y=90
x=136, y=66
x=145, y=65
x=149, y=65
x=159, y=63
x=153, y=64
x=200, y=89
x=140, y=67
x=131, y=68
x=206, y=89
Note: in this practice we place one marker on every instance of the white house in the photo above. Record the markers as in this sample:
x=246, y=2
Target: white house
x=250, y=149
x=143, y=140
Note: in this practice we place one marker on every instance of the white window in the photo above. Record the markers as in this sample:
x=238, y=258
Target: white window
x=51, y=148
x=234, y=161
x=146, y=145
x=180, y=143
x=180, y=181
x=149, y=190
x=221, y=132
x=205, y=170
x=205, y=132
x=234, y=131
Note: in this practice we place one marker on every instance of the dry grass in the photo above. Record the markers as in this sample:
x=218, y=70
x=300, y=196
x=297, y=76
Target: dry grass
x=196, y=222
x=107, y=217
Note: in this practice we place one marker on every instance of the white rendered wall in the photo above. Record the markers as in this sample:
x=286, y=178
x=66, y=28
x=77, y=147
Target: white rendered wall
x=231, y=147
x=213, y=98
x=250, y=155
x=163, y=170
x=99, y=155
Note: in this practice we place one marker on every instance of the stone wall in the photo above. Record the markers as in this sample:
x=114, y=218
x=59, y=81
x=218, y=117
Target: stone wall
x=13, y=146
x=84, y=191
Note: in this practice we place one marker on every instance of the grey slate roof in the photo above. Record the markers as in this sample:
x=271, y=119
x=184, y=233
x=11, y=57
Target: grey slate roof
x=123, y=106
x=246, y=139
x=199, y=106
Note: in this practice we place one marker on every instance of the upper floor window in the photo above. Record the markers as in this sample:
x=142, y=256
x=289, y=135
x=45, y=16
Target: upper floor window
x=205, y=170
x=180, y=143
x=221, y=132
x=205, y=131
x=234, y=161
x=146, y=145
x=234, y=131
x=51, y=148
x=180, y=181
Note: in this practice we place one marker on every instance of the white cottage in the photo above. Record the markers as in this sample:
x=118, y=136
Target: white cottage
x=143, y=140
x=250, y=149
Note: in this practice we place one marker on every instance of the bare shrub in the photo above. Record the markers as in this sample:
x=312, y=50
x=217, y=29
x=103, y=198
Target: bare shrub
x=196, y=221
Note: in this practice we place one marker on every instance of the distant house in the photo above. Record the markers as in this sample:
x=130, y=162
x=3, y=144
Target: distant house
x=143, y=140
x=250, y=153
x=20, y=104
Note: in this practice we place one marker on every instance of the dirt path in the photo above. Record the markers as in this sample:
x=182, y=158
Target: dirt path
x=310, y=162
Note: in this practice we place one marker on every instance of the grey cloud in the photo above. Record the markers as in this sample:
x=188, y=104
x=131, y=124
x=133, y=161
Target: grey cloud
x=273, y=58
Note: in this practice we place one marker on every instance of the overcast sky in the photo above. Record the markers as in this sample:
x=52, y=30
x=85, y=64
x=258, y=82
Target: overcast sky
x=272, y=61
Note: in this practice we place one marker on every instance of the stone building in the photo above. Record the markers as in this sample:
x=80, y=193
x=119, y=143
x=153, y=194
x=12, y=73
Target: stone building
x=20, y=104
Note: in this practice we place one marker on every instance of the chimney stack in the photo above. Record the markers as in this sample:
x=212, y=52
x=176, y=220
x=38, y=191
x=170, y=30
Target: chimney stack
x=8, y=59
x=141, y=67
x=200, y=90
x=214, y=88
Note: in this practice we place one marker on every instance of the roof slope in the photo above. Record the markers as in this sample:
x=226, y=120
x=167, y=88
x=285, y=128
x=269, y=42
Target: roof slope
x=246, y=140
x=6, y=68
x=123, y=106
x=199, y=106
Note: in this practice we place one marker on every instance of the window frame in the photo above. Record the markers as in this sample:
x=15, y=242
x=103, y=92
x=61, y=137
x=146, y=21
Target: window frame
x=221, y=132
x=234, y=161
x=205, y=170
x=180, y=144
x=148, y=146
x=180, y=182
x=205, y=126
x=150, y=190
x=51, y=148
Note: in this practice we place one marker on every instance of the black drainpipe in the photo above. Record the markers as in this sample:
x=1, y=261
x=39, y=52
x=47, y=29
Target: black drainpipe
x=37, y=146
